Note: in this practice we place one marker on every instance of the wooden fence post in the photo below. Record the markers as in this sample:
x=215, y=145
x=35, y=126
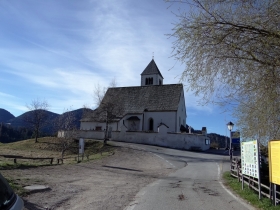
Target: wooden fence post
x=242, y=182
x=274, y=194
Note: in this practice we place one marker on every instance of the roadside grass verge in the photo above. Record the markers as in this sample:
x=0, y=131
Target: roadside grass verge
x=248, y=194
x=18, y=184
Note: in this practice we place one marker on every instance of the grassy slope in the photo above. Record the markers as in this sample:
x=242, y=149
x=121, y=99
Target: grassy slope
x=248, y=194
x=48, y=147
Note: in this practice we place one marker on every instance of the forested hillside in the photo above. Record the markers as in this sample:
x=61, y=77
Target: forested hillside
x=5, y=116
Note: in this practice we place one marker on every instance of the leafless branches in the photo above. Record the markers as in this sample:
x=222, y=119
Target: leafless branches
x=68, y=131
x=37, y=115
x=108, y=110
x=231, y=49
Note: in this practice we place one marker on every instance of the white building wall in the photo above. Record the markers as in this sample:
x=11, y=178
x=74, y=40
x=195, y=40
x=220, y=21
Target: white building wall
x=171, y=140
x=93, y=125
x=161, y=138
x=168, y=118
x=90, y=134
x=181, y=112
x=129, y=123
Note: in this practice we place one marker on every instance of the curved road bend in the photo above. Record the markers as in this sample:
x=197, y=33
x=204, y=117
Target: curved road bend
x=195, y=185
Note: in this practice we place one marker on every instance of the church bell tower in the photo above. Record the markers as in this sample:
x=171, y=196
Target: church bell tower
x=151, y=75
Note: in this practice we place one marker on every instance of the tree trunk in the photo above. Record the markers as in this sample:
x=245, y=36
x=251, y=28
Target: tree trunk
x=62, y=154
x=36, y=137
x=36, y=134
x=106, y=130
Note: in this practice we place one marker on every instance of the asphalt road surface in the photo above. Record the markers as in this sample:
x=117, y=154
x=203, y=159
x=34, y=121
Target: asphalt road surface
x=196, y=183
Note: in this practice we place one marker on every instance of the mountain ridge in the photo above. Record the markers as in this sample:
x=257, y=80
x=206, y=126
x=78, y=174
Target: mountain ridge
x=5, y=115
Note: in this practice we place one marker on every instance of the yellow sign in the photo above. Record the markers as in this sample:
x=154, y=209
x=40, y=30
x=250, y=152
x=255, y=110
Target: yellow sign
x=274, y=161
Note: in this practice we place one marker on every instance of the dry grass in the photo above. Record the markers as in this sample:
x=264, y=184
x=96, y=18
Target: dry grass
x=48, y=147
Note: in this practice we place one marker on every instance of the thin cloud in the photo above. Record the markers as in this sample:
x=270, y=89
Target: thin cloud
x=60, y=50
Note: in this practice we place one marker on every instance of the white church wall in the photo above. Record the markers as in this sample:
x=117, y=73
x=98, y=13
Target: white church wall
x=91, y=134
x=88, y=125
x=94, y=125
x=160, y=138
x=131, y=124
x=181, y=112
x=168, y=118
x=162, y=130
x=171, y=140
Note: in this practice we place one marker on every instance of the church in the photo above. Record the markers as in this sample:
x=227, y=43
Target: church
x=141, y=108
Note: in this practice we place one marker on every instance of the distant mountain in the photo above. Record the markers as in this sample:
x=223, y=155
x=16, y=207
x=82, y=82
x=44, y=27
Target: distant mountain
x=76, y=114
x=5, y=116
x=20, y=120
x=19, y=129
x=50, y=125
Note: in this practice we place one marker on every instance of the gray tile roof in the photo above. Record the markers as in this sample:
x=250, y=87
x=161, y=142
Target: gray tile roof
x=151, y=69
x=135, y=100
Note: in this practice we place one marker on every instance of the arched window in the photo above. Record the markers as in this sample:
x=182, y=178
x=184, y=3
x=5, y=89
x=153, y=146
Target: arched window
x=151, y=124
x=149, y=81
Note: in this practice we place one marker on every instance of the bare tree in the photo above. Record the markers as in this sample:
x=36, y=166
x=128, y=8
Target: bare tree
x=108, y=110
x=231, y=49
x=68, y=130
x=99, y=91
x=37, y=115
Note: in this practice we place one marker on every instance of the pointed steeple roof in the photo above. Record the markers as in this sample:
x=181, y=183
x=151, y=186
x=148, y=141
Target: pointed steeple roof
x=151, y=69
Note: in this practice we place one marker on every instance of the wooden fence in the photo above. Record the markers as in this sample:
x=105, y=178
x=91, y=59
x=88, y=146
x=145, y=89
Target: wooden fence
x=236, y=171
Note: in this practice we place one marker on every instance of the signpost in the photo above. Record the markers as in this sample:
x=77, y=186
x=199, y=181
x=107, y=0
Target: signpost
x=274, y=161
x=235, y=137
x=81, y=148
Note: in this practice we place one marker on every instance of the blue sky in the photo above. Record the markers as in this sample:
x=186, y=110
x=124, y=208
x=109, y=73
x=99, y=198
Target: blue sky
x=60, y=50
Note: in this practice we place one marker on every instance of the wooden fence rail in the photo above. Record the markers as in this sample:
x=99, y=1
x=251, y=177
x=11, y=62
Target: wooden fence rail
x=250, y=181
x=15, y=157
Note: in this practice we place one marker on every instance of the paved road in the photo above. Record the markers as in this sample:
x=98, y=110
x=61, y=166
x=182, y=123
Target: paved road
x=196, y=183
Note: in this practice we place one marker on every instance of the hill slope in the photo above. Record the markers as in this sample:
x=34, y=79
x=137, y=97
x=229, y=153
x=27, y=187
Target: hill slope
x=20, y=120
x=5, y=116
